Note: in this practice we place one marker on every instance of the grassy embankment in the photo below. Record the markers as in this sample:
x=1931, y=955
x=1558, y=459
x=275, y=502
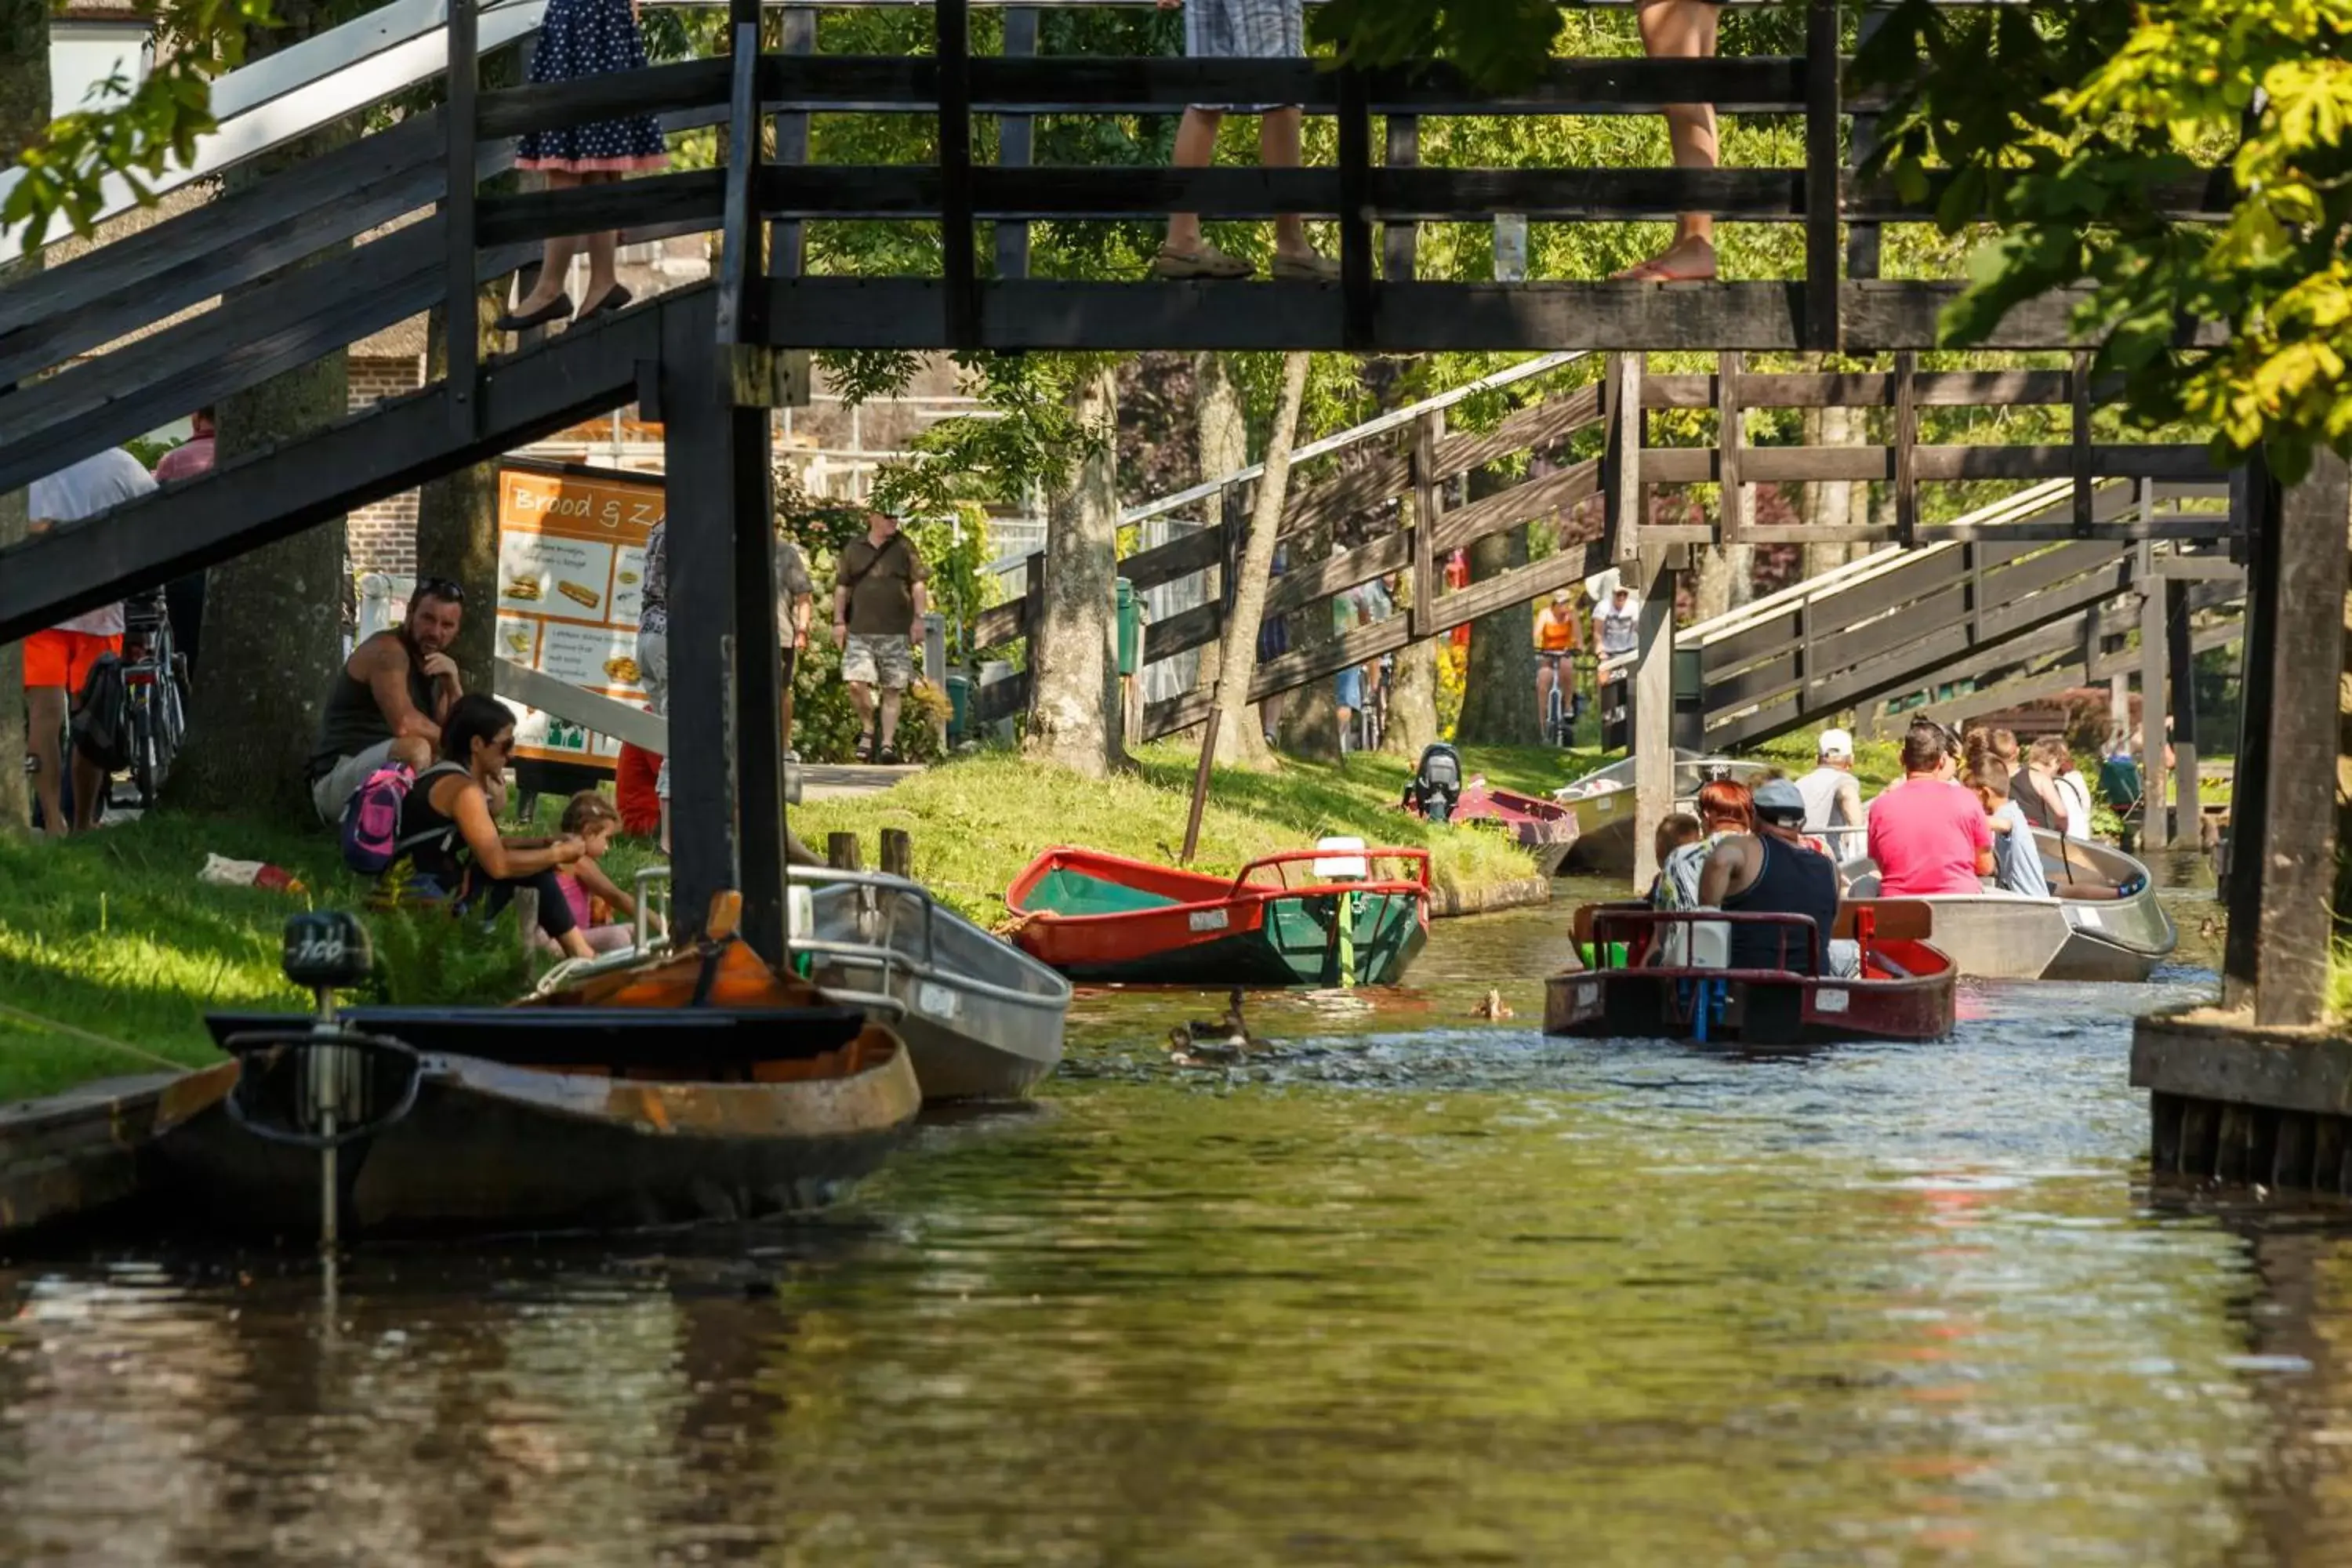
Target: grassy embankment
x=113, y=935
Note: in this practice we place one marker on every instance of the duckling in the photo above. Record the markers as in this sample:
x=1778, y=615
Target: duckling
x=1184, y=1051
x=2209, y=927
x=1228, y=1035
x=1494, y=1006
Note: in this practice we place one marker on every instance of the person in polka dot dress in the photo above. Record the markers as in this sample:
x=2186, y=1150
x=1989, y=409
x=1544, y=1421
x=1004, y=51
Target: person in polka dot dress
x=582, y=39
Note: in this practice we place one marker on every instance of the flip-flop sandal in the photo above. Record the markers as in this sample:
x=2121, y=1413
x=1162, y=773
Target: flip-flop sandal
x=1307, y=269
x=1206, y=262
x=1658, y=272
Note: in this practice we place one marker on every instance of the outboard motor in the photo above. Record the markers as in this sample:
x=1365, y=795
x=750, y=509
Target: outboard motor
x=325, y=1086
x=1436, y=784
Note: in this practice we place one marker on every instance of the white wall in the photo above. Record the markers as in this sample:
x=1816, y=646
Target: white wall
x=83, y=54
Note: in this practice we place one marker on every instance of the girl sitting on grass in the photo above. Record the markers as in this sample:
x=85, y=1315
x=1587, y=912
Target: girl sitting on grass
x=594, y=820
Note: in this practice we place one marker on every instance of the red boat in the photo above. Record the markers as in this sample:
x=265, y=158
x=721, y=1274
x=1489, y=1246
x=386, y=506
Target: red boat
x=1332, y=916
x=1904, y=990
x=1544, y=828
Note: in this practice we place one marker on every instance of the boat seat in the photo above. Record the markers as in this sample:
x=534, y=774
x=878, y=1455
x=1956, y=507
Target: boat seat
x=622, y=1038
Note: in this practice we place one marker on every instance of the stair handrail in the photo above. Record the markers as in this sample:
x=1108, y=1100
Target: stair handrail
x=1380, y=425
x=303, y=88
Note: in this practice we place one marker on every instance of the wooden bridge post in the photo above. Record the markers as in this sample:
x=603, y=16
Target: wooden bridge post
x=2283, y=808
x=2155, y=829
x=461, y=320
x=1646, y=569
x=2180, y=656
x=787, y=237
x=1016, y=143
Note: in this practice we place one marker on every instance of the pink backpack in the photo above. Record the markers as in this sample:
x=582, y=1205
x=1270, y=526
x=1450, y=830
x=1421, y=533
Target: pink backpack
x=371, y=826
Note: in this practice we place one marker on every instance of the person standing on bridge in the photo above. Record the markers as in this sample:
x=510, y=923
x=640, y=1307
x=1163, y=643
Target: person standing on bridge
x=583, y=38
x=1240, y=29
x=1928, y=834
x=1683, y=30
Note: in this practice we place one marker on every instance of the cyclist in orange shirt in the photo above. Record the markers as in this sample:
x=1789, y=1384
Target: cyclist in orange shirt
x=1556, y=643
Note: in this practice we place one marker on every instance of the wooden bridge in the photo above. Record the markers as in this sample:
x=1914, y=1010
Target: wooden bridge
x=709, y=360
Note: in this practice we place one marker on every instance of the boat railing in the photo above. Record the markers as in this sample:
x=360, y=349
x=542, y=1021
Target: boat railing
x=1418, y=859
x=1612, y=924
x=920, y=967
x=648, y=938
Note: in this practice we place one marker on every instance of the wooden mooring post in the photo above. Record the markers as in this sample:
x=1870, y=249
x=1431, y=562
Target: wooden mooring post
x=841, y=852
x=897, y=853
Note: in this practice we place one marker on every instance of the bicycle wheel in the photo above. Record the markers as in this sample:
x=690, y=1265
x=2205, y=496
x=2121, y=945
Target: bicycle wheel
x=143, y=781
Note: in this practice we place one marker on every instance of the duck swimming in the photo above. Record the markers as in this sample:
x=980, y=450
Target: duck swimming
x=1494, y=1006
x=1206, y=1043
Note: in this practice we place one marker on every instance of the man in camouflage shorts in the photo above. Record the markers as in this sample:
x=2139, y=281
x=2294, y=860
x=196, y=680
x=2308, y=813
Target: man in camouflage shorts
x=878, y=624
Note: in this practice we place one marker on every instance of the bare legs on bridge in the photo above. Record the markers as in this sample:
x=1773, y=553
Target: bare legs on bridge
x=1683, y=30
x=555, y=265
x=45, y=713
x=1186, y=254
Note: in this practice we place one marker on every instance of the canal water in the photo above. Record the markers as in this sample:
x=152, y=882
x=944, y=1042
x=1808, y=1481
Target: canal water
x=1414, y=1287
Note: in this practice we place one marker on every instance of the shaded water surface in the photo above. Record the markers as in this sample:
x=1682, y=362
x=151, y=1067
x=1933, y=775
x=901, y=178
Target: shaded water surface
x=1414, y=1288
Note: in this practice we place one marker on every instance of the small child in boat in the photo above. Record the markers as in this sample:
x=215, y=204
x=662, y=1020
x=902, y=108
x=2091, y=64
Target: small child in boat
x=2016, y=857
x=594, y=820
x=1675, y=829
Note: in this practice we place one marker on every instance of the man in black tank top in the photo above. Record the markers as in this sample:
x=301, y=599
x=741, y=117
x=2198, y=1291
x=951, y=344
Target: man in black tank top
x=1773, y=871
x=389, y=698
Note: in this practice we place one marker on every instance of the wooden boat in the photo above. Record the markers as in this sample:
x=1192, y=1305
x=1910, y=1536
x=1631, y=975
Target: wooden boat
x=982, y=1019
x=1904, y=991
x=1602, y=805
x=2105, y=922
x=1544, y=828
x=696, y=1085
x=1332, y=916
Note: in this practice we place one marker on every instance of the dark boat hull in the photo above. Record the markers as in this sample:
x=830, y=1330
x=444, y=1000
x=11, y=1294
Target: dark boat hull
x=1761, y=1012
x=490, y=1147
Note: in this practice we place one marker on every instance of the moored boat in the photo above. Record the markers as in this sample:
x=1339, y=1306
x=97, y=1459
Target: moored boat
x=2104, y=923
x=1544, y=828
x=696, y=1085
x=1338, y=915
x=982, y=1019
x=1602, y=805
x=1904, y=989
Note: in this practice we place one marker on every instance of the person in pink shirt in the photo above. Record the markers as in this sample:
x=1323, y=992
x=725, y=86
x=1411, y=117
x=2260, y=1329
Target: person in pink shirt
x=1928, y=834
x=183, y=596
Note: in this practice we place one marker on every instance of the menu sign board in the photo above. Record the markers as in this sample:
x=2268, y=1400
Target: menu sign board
x=572, y=563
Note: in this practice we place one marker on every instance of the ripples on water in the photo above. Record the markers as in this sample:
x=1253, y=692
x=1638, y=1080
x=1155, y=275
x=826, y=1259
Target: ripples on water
x=1416, y=1289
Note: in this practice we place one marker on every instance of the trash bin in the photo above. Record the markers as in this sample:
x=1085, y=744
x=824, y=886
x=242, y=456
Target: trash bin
x=1130, y=628
x=959, y=707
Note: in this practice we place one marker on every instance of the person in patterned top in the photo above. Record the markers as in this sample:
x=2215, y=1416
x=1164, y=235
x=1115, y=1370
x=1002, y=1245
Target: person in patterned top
x=582, y=39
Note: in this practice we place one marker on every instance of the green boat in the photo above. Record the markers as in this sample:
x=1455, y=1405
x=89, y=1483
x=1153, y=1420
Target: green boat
x=1280, y=921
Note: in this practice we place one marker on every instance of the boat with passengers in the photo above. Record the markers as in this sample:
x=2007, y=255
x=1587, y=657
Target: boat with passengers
x=1603, y=809
x=1666, y=974
x=2104, y=921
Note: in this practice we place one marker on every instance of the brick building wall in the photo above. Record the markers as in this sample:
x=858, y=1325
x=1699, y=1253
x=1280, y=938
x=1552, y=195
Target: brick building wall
x=383, y=537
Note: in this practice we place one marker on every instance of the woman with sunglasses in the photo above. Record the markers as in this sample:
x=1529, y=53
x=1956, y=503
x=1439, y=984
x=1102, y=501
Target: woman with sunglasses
x=453, y=831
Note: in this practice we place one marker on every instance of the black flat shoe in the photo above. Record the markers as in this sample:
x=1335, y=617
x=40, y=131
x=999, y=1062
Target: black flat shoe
x=555, y=309
x=615, y=297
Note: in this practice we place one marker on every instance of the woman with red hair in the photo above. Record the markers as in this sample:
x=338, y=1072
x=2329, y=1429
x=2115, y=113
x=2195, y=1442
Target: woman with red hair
x=1726, y=807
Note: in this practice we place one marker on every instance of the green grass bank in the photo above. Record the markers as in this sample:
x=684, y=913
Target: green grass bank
x=112, y=935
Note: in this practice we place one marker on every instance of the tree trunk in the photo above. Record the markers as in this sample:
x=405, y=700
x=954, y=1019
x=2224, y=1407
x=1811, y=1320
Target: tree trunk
x=1828, y=504
x=1499, y=696
x=1412, y=686
x=1073, y=713
x=1238, y=740
x=457, y=515
x=1222, y=430
x=1310, y=726
x=23, y=119
x=273, y=618
x=1726, y=580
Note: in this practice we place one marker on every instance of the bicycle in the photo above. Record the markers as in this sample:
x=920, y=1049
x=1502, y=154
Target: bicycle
x=154, y=678
x=1560, y=716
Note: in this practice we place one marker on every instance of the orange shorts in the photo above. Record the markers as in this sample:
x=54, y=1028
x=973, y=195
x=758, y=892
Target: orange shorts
x=63, y=658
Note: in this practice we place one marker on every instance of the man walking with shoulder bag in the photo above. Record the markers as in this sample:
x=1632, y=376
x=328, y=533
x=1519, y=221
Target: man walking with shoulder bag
x=878, y=624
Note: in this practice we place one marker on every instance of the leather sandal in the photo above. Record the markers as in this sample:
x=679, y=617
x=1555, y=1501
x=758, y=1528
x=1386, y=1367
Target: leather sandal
x=555, y=309
x=1307, y=269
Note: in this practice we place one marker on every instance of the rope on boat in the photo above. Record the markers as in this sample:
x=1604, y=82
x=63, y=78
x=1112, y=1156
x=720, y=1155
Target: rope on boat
x=19, y=1013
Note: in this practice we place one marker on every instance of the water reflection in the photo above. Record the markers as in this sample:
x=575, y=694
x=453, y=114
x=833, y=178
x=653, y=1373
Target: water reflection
x=1416, y=1287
